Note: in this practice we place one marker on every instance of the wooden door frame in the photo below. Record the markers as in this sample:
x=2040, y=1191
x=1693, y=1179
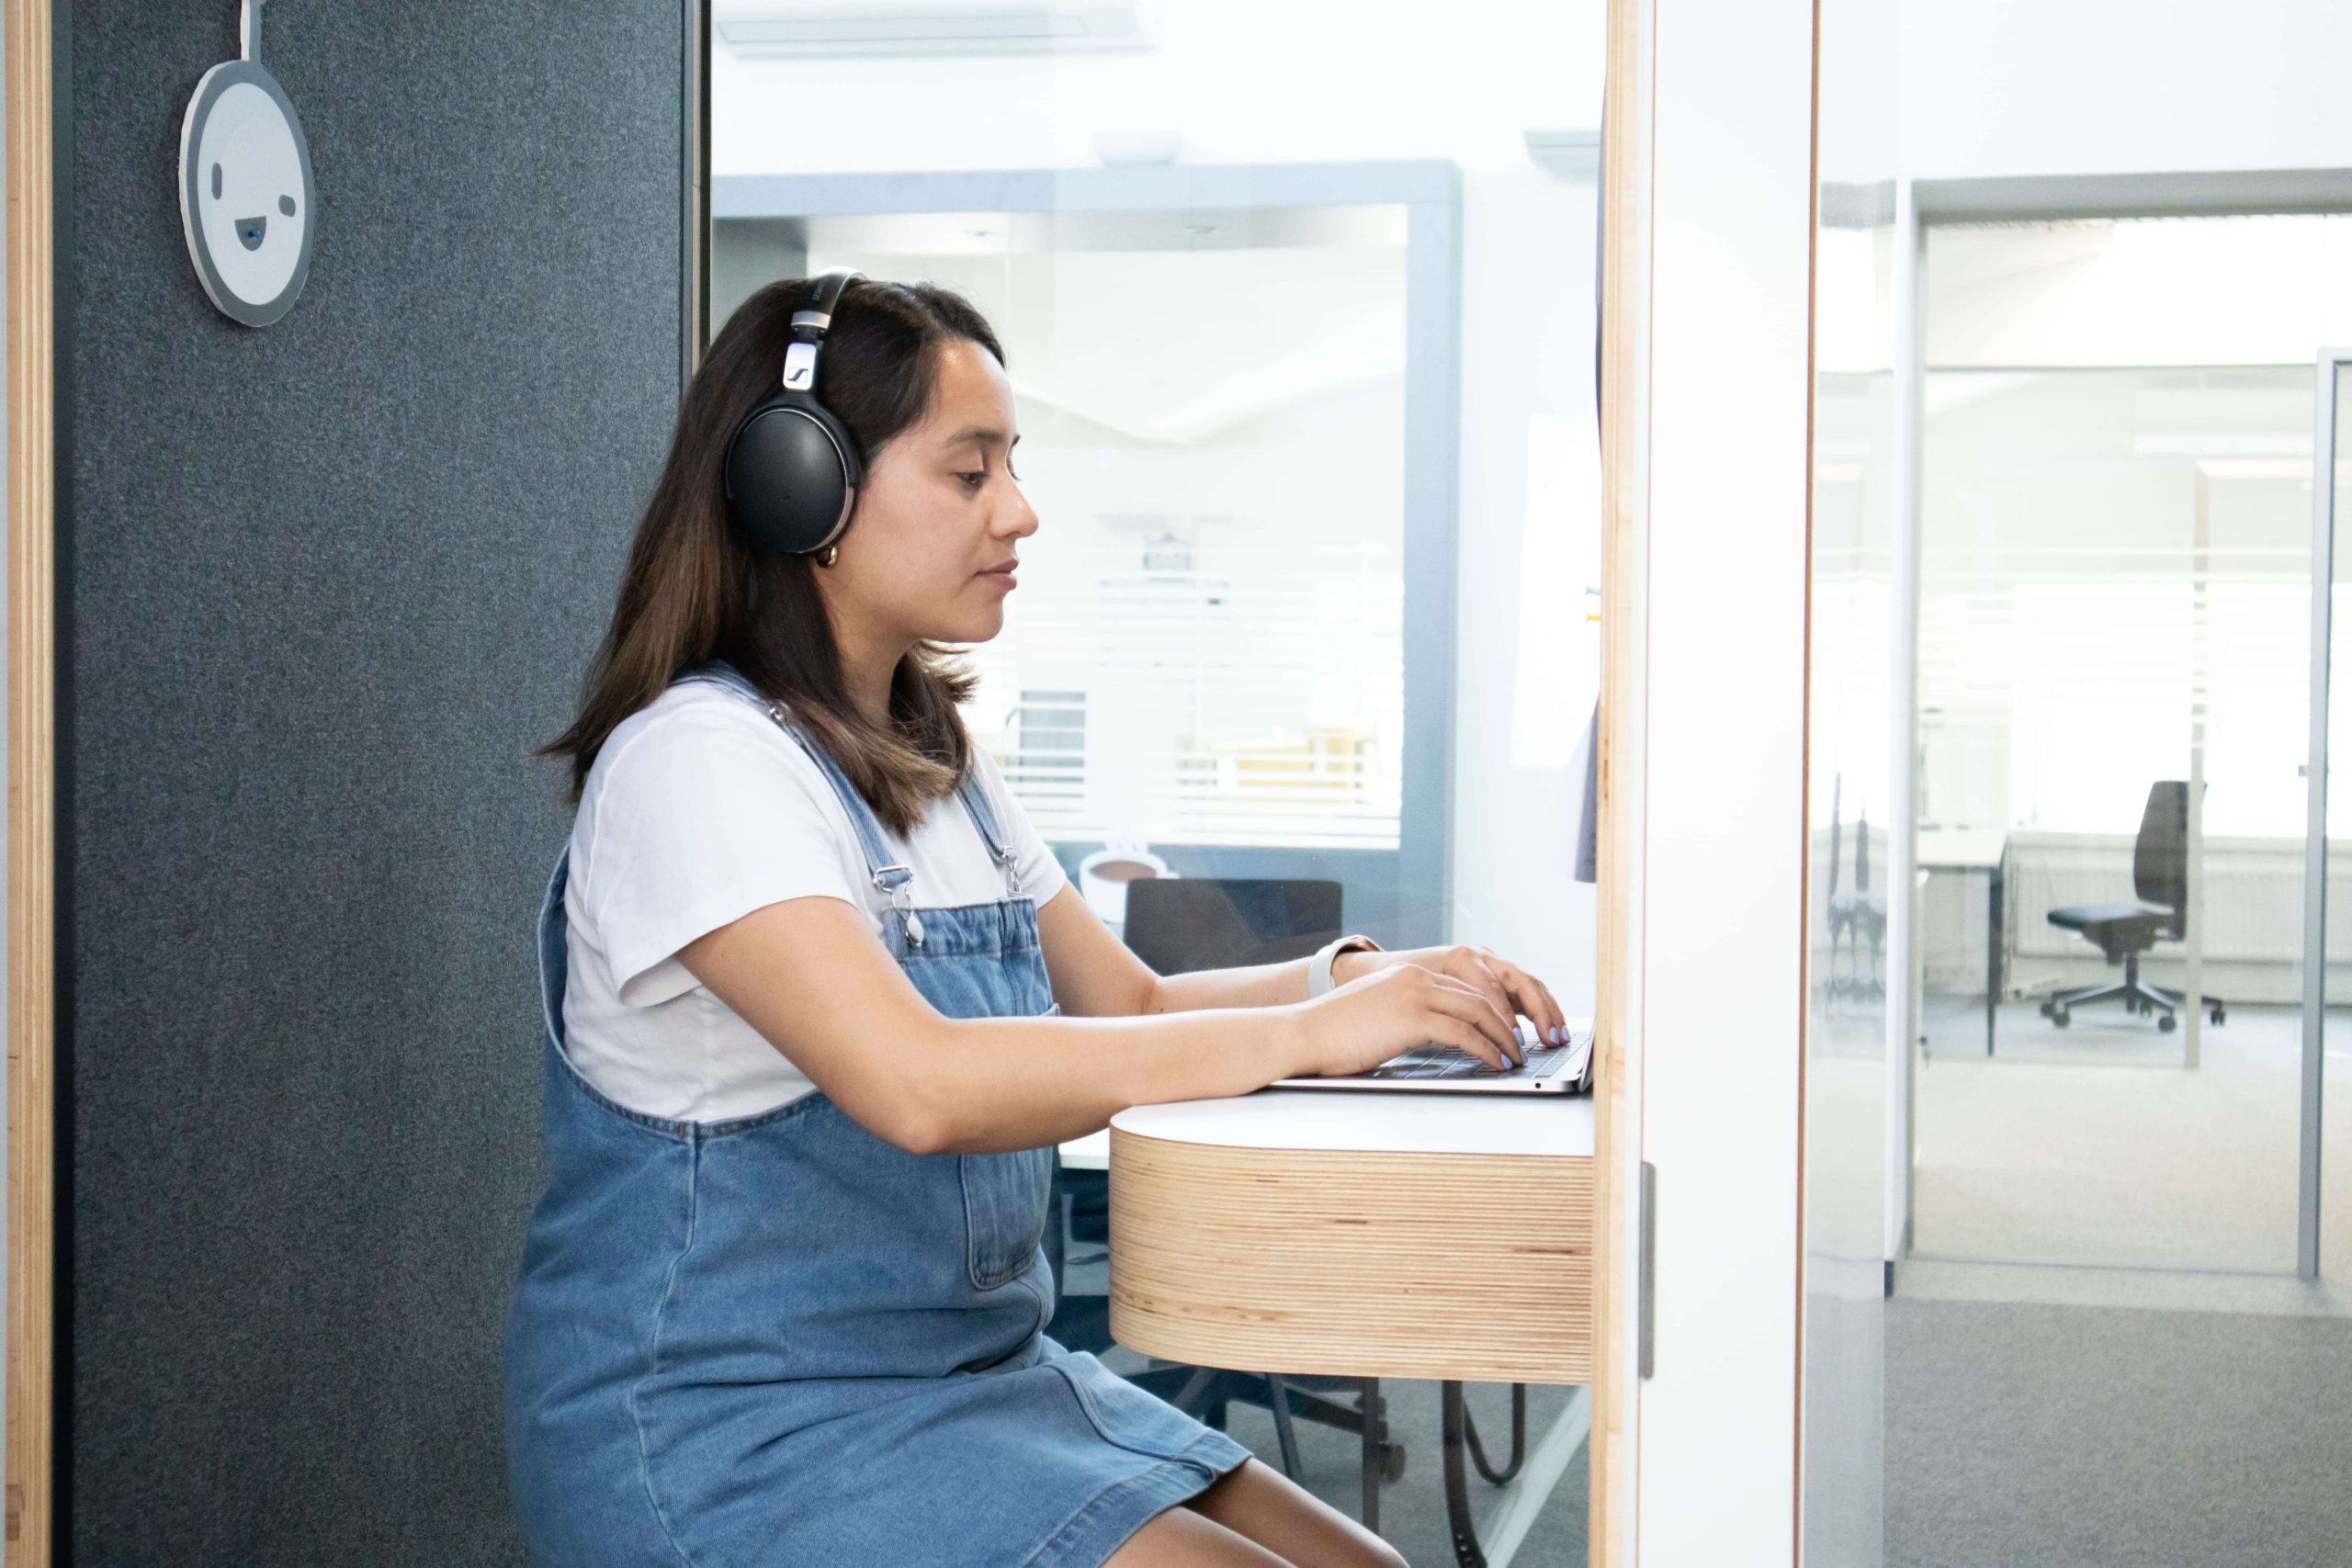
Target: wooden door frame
x=1687, y=182
x=34, y=176
x=1624, y=160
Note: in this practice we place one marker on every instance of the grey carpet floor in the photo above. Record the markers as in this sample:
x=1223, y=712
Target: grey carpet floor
x=2018, y=1437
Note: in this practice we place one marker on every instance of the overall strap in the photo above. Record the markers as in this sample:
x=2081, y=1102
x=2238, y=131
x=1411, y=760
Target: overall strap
x=975, y=803
x=888, y=877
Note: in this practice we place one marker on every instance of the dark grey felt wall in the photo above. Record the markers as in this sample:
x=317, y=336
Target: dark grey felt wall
x=325, y=586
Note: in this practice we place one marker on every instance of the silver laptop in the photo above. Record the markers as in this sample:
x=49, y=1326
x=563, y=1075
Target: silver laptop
x=1549, y=1070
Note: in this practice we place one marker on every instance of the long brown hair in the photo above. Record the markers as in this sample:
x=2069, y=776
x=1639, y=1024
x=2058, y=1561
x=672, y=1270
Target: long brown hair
x=695, y=589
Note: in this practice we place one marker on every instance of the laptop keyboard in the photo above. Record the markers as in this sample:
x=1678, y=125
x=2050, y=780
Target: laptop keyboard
x=1445, y=1062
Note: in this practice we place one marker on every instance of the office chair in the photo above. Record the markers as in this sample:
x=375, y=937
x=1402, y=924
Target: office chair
x=1176, y=925
x=2124, y=931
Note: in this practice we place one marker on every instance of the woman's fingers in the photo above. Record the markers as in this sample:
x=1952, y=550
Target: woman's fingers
x=1552, y=1010
x=1466, y=1003
x=1535, y=999
x=1492, y=977
x=1532, y=997
x=1507, y=991
x=1444, y=1029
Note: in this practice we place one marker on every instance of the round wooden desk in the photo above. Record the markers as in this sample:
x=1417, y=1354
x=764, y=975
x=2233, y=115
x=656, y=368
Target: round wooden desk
x=1364, y=1235
x=1371, y=1234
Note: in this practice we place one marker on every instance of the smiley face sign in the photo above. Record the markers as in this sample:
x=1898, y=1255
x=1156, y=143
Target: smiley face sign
x=245, y=193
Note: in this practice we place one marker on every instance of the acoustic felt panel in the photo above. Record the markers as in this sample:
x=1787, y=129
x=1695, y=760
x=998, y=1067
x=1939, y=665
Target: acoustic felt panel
x=325, y=586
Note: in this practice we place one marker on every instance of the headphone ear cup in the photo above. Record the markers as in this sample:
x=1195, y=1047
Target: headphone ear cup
x=792, y=475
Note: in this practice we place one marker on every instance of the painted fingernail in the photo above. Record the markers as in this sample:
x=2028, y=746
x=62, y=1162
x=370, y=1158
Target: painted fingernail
x=1555, y=1034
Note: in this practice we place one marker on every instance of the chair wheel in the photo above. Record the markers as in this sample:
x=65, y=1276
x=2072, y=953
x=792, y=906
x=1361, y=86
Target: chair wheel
x=1392, y=1462
x=2219, y=1015
x=2046, y=1012
x=2166, y=1024
x=2060, y=1017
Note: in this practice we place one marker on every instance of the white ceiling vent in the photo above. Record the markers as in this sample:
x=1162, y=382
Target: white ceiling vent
x=768, y=28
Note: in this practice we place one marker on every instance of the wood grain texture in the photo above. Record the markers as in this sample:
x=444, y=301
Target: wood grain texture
x=1625, y=151
x=31, y=800
x=1355, y=1264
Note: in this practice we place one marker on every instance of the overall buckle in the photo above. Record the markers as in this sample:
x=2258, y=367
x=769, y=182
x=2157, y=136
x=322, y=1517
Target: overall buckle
x=891, y=882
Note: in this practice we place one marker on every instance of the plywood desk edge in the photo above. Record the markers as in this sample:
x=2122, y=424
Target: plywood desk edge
x=1363, y=1262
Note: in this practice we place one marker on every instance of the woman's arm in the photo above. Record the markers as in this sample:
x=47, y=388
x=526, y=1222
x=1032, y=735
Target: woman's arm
x=1095, y=975
x=808, y=976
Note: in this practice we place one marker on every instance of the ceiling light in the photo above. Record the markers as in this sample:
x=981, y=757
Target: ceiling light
x=786, y=28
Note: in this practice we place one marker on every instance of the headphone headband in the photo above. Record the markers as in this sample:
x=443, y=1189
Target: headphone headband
x=813, y=318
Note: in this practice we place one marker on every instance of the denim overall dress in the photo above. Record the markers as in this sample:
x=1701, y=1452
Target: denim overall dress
x=778, y=1339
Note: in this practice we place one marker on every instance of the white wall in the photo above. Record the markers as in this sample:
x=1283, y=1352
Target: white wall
x=2103, y=87
x=2094, y=87
x=1717, y=886
x=1251, y=82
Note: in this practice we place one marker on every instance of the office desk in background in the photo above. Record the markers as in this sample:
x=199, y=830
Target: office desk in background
x=1369, y=1236
x=1967, y=850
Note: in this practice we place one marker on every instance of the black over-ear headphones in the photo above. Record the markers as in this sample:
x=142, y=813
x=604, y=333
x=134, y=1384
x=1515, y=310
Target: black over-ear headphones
x=792, y=469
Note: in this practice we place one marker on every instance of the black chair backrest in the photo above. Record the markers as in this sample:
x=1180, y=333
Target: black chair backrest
x=1181, y=923
x=2159, y=858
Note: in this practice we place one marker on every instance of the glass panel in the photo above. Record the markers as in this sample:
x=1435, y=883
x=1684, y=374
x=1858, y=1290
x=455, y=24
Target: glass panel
x=2113, y=704
x=1210, y=647
x=2106, y=585
x=1207, y=660
x=1854, y=886
x=1850, y=888
x=1307, y=600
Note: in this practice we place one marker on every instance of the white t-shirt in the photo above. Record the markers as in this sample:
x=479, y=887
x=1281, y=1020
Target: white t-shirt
x=699, y=809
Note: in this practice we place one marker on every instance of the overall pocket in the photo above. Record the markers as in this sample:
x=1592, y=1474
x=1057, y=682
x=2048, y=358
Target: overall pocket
x=1004, y=1212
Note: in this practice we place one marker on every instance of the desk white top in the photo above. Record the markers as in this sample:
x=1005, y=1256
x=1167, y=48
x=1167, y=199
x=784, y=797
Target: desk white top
x=1960, y=849
x=1092, y=1152
x=1379, y=1122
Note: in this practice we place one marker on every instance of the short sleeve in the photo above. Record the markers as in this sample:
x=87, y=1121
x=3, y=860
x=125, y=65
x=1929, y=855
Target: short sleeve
x=707, y=812
x=1040, y=875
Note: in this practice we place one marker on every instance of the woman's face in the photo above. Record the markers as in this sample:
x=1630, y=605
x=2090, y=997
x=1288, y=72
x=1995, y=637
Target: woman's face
x=929, y=552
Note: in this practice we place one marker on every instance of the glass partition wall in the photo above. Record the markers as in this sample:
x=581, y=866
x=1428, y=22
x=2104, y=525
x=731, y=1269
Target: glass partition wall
x=1298, y=312
x=2114, y=689
x=1218, y=655
x=2097, y=421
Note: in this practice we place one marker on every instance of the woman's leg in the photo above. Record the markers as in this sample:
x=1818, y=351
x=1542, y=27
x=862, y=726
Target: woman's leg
x=1284, y=1517
x=1179, y=1538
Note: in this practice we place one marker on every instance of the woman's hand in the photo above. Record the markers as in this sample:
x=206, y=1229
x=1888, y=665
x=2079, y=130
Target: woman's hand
x=1506, y=987
x=1357, y=1026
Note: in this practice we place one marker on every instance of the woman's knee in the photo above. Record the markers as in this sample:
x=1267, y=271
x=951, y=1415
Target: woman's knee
x=1268, y=1507
x=1377, y=1553
x=1179, y=1538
